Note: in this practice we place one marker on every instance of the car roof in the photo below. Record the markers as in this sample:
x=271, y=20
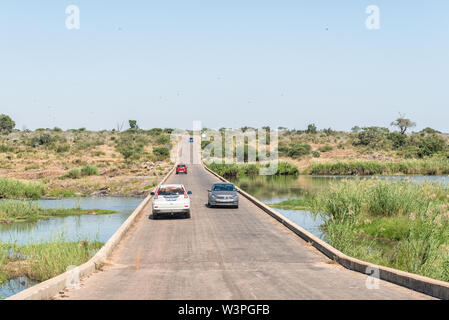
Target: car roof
x=171, y=185
x=224, y=183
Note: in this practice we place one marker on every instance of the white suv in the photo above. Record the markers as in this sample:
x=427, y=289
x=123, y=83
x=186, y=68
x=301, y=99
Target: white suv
x=171, y=199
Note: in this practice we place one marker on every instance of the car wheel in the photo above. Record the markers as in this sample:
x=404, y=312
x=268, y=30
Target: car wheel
x=155, y=216
x=187, y=215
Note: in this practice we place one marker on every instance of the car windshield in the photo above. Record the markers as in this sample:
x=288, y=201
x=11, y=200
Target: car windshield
x=170, y=191
x=223, y=187
x=181, y=166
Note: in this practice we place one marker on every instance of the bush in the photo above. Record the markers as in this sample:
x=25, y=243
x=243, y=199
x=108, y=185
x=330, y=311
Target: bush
x=73, y=174
x=326, y=148
x=316, y=154
x=10, y=188
x=43, y=139
x=429, y=146
x=62, y=148
x=163, y=140
x=398, y=139
x=131, y=145
x=297, y=151
x=161, y=152
x=89, y=170
x=370, y=136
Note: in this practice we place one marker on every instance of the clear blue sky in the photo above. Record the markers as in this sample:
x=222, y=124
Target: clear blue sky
x=227, y=63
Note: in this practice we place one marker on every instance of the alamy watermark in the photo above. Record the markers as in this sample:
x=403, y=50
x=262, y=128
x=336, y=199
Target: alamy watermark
x=73, y=21
x=373, y=280
x=73, y=279
x=373, y=20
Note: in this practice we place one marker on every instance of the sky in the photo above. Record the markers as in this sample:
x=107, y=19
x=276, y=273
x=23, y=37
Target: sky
x=225, y=63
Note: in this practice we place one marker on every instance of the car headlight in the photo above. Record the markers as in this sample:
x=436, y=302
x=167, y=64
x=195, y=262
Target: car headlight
x=236, y=197
x=212, y=196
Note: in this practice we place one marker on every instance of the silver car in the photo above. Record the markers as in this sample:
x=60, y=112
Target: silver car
x=223, y=194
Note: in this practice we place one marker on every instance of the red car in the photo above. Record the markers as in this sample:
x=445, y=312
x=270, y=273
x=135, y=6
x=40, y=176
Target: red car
x=181, y=168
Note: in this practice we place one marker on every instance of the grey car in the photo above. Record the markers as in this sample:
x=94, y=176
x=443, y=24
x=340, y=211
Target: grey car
x=223, y=194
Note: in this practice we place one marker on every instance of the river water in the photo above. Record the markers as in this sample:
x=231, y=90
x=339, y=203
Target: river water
x=72, y=228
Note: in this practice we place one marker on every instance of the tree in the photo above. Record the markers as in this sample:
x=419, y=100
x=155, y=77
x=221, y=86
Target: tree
x=403, y=124
x=6, y=123
x=311, y=128
x=133, y=125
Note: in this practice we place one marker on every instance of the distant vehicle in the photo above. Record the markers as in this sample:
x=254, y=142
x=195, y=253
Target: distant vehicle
x=181, y=168
x=170, y=199
x=223, y=194
x=191, y=139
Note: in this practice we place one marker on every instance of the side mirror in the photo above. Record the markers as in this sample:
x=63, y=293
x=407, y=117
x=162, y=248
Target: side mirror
x=208, y=190
x=152, y=193
x=189, y=192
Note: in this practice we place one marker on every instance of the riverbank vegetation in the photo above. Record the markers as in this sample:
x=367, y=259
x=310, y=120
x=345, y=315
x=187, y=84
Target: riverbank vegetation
x=78, y=162
x=11, y=188
x=402, y=225
x=407, y=167
x=244, y=170
x=42, y=261
x=19, y=211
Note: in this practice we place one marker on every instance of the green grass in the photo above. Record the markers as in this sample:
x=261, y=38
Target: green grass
x=396, y=224
x=23, y=210
x=294, y=204
x=421, y=167
x=42, y=261
x=242, y=170
x=11, y=188
x=61, y=193
x=89, y=170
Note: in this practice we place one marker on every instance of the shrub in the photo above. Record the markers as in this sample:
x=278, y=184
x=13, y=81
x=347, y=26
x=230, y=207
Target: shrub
x=62, y=148
x=326, y=148
x=163, y=140
x=73, y=174
x=131, y=145
x=10, y=188
x=296, y=151
x=398, y=139
x=89, y=170
x=370, y=136
x=316, y=154
x=428, y=146
x=161, y=152
x=43, y=139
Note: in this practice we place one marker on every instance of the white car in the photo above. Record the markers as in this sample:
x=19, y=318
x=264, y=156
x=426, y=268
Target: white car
x=170, y=199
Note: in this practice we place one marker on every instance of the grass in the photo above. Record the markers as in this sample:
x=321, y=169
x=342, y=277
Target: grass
x=22, y=210
x=396, y=224
x=242, y=170
x=294, y=204
x=42, y=261
x=422, y=167
x=11, y=188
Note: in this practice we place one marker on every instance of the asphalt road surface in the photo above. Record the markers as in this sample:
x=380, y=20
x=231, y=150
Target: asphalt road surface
x=222, y=254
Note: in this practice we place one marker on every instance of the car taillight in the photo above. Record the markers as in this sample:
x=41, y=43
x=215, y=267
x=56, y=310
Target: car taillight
x=185, y=193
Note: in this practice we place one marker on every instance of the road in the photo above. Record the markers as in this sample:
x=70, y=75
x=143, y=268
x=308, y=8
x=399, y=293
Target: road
x=223, y=254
